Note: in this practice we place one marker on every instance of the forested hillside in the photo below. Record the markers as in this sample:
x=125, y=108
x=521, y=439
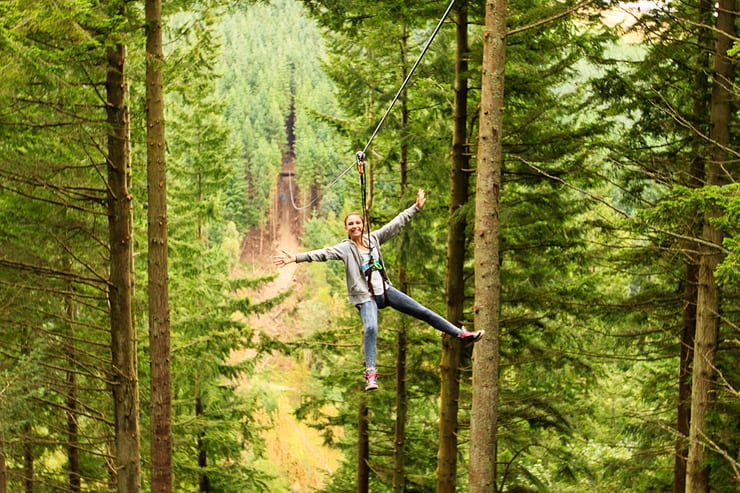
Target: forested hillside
x=581, y=209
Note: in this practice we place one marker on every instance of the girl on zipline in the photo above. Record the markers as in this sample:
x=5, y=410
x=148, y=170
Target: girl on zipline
x=368, y=286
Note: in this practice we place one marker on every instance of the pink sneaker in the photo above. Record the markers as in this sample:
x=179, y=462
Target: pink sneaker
x=371, y=379
x=470, y=337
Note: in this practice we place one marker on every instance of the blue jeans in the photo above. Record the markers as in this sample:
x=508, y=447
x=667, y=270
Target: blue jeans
x=404, y=304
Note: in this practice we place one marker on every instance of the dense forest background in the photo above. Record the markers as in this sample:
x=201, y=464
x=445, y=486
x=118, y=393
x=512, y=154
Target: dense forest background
x=618, y=325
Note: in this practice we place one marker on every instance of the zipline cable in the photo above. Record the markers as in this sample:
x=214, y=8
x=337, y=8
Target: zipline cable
x=360, y=156
x=410, y=74
x=292, y=198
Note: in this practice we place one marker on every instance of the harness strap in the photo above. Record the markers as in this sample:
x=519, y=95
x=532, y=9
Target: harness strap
x=373, y=266
x=383, y=276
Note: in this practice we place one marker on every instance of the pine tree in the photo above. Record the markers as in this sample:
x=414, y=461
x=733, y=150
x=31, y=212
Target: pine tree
x=123, y=333
x=158, y=275
x=214, y=419
x=709, y=295
x=55, y=158
x=456, y=249
x=487, y=277
x=668, y=147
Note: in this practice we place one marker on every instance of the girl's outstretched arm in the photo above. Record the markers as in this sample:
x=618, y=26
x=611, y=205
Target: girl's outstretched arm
x=336, y=252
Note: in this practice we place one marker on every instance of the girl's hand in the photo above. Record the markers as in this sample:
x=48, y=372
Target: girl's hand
x=283, y=259
x=421, y=197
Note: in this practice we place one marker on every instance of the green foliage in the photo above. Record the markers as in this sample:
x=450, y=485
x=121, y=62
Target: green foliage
x=265, y=75
x=566, y=299
x=207, y=205
x=591, y=288
x=660, y=163
x=53, y=268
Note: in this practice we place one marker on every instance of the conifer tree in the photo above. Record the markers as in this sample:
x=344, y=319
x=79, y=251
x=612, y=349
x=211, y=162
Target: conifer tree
x=720, y=171
x=528, y=97
x=203, y=163
x=668, y=150
x=54, y=158
x=123, y=332
x=456, y=249
x=396, y=143
x=158, y=275
x=487, y=277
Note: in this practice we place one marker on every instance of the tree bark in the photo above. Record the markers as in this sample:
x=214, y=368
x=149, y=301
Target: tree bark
x=73, y=435
x=459, y=185
x=363, y=447
x=697, y=177
x=709, y=296
x=399, y=435
x=204, y=481
x=705, y=345
x=73, y=431
x=3, y=467
x=159, y=310
x=126, y=468
x=28, y=459
x=688, y=330
x=484, y=417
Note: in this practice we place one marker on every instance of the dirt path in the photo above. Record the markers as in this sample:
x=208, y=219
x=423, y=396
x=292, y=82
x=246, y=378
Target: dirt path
x=286, y=239
x=295, y=451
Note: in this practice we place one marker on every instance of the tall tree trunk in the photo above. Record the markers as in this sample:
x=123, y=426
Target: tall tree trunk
x=688, y=330
x=705, y=345
x=28, y=459
x=28, y=473
x=484, y=417
x=708, y=300
x=697, y=177
x=73, y=435
x=451, y=348
x=3, y=466
x=363, y=447
x=159, y=310
x=204, y=482
x=73, y=432
x=399, y=437
x=126, y=468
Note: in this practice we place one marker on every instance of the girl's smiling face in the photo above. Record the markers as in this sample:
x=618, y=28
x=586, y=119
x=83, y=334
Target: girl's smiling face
x=353, y=226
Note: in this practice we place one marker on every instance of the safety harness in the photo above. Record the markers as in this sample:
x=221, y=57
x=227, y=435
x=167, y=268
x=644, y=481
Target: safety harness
x=373, y=264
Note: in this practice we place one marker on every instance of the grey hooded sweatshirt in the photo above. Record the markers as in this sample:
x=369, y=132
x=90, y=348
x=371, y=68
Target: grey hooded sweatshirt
x=347, y=252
